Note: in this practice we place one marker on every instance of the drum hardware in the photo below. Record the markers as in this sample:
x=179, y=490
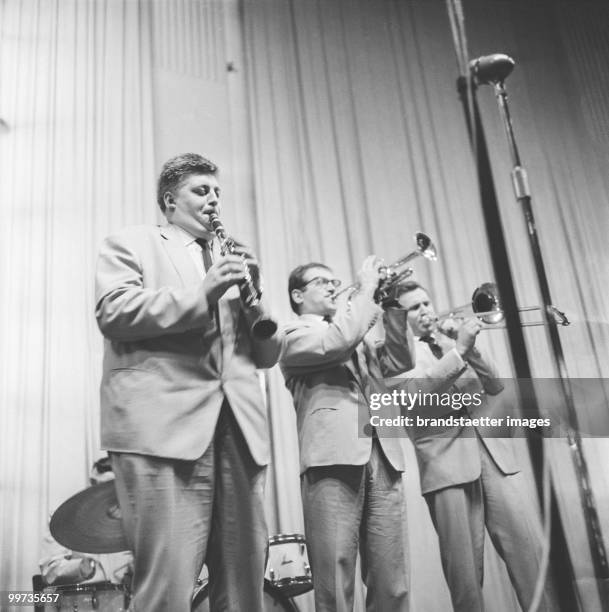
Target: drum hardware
x=287, y=575
x=90, y=521
x=88, y=596
x=288, y=566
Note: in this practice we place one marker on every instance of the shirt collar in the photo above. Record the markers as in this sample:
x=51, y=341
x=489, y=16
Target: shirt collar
x=184, y=236
x=311, y=317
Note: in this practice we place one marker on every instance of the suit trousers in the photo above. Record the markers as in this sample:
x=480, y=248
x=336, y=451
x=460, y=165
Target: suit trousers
x=500, y=502
x=179, y=514
x=351, y=506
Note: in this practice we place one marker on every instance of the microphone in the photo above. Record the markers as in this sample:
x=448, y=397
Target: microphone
x=491, y=69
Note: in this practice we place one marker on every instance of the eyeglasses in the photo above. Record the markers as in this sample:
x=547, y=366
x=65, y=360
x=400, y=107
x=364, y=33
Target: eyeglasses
x=320, y=281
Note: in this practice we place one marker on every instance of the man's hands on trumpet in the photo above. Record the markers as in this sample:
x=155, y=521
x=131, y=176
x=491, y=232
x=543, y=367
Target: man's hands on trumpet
x=368, y=279
x=369, y=275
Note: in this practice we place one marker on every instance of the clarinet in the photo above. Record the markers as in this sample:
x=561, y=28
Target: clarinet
x=263, y=326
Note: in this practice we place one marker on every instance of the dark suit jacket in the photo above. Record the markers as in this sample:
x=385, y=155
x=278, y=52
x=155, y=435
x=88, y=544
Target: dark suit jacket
x=450, y=456
x=167, y=368
x=330, y=397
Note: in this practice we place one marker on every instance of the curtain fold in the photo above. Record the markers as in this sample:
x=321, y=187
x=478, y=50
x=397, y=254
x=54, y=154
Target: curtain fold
x=345, y=137
x=75, y=164
x=360, y=140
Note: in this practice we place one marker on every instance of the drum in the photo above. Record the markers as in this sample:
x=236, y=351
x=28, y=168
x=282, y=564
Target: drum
x=274, y=600
x=99, y=596
x=287, y=566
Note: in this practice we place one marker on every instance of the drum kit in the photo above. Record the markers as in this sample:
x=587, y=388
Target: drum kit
x=90, y=522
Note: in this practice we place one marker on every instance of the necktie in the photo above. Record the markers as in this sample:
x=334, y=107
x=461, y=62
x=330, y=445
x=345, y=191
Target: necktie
x=206, y=251
x=435, y=348
x=207, y=263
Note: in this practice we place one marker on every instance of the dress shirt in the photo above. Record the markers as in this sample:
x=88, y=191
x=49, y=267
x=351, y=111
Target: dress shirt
x=195, y=251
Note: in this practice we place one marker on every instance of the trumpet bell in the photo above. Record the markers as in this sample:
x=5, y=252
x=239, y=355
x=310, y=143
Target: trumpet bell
x=425, y=246
x=394, y=274
x=398, y=272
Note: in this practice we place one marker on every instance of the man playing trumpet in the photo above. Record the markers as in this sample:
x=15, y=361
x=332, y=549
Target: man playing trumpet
x=351, y=479
x=469, y=480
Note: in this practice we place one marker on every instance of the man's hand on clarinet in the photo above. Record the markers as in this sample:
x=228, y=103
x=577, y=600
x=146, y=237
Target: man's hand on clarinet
x=222, y=275
x=252, y=264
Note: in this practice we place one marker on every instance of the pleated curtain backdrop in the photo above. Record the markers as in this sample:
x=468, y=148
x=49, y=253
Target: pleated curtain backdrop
x=339, y=133
x=360, y=141
x=75, y=163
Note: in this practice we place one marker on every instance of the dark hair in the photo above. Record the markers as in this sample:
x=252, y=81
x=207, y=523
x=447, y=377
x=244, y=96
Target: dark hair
x=401, y=289
x=176, y=169
x=296, y=280
x=407, y=287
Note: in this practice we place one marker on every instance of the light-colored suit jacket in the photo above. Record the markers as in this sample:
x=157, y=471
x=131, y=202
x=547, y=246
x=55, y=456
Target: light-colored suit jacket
x=167, y=365
x=330, y=395
x=450, y=456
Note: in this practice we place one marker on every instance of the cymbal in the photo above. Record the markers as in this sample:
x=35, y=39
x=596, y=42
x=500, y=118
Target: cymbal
x=90, y=521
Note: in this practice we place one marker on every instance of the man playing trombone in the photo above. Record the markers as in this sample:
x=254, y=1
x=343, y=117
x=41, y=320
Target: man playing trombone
x=351, y=479
x=468, y=479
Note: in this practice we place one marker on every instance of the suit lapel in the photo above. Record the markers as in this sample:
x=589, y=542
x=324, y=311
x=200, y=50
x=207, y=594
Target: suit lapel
x=352, y=369
x=230, y=308
x=179, y=256
x=372, y=363
x=360, y=370
x=189, y=275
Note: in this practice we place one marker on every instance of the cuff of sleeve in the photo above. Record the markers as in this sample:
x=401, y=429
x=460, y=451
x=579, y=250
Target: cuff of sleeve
x=458, y=356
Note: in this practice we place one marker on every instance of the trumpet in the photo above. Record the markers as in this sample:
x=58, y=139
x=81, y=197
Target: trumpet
x=486, y=305
x=398, y=271
x=263, y=326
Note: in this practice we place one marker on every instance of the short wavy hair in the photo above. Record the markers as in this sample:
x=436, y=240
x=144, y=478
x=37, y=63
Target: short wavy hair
x=407, y=287
x=176, y=169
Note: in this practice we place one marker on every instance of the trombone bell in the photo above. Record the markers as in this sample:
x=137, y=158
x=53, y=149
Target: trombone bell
x=486, y=305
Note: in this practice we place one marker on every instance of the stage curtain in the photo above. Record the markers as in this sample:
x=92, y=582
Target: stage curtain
x=359, y=140
x=354, y=139
x=76, y=162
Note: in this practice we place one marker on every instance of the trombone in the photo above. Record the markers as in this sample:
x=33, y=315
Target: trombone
x=486, y=305
x=398, y=271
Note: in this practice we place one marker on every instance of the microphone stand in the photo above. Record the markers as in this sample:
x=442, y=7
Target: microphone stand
x=590, y=513
x=499, y=256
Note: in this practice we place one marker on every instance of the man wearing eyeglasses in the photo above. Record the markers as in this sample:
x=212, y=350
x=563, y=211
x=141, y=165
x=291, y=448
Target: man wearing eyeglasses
x=351, y=477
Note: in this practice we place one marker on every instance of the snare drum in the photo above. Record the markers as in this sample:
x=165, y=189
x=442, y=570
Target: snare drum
x=287, y=566
x=100, y=596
